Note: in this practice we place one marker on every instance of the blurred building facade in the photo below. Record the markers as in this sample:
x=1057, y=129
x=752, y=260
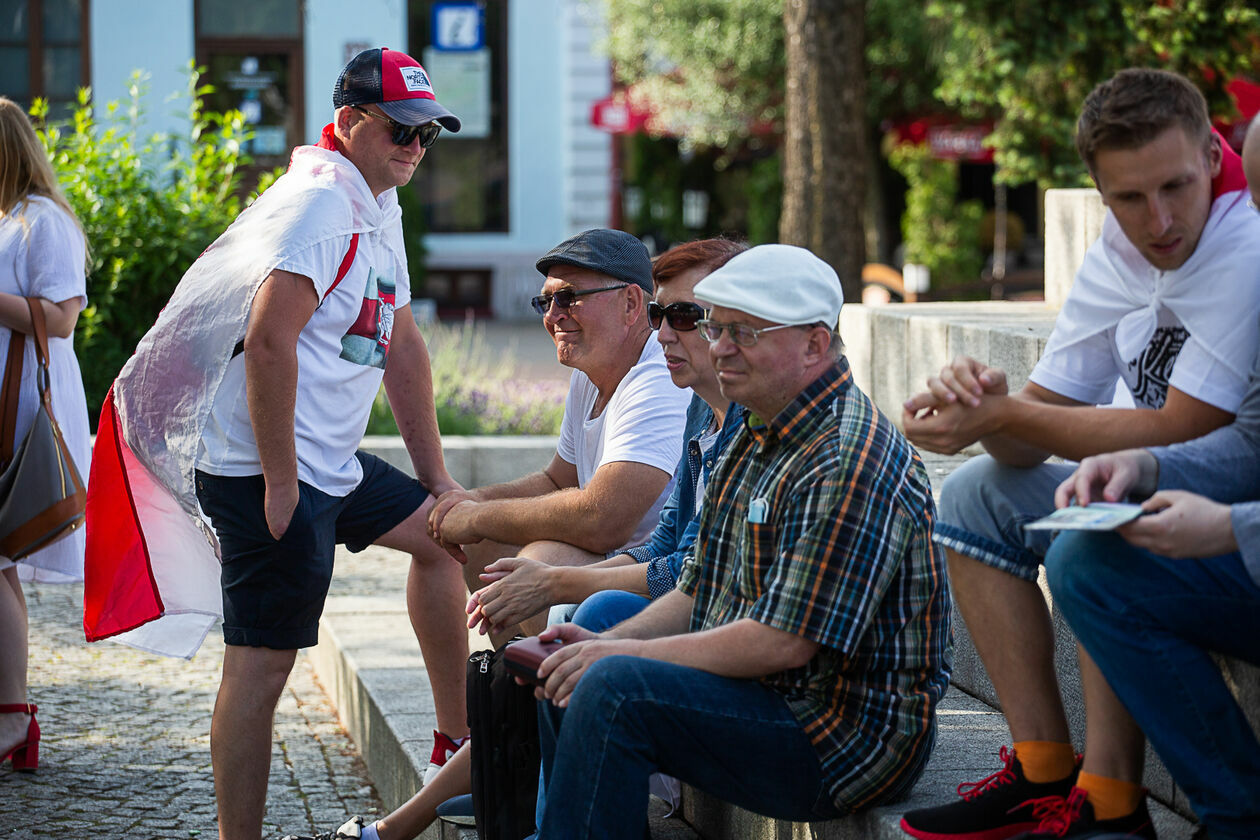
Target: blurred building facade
x=528, y=169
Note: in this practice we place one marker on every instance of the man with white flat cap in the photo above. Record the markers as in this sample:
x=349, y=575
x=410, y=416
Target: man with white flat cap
x=795, y=670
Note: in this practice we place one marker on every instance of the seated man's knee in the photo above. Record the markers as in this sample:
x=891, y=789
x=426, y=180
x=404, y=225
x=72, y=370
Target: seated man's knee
x=1080, y=563
x=607, y=681
x=979, y=484
x=478, y=556
x=608, y=608
x=556, y=553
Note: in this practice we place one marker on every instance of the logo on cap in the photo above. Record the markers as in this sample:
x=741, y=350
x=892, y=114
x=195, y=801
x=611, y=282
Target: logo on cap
x=415, y=79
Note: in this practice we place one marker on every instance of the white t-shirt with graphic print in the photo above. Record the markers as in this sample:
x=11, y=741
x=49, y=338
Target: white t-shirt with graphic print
x=341, y=356
x=1088, y=370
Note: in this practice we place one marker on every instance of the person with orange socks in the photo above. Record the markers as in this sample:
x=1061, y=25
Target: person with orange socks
x=1154, y=305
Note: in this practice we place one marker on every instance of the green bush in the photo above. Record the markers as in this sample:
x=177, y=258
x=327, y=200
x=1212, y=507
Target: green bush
x=149, y=207
x=476, y=394
x=939, y=231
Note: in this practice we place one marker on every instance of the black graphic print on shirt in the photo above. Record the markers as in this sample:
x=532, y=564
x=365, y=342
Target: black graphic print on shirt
x=367, y=340
x=1154, y=366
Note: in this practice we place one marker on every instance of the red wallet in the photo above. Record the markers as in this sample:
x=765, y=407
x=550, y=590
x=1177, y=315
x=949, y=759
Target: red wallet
x=523, y=658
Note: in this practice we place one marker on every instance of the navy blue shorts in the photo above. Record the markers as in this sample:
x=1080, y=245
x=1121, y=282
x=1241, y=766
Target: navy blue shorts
x=274, y=590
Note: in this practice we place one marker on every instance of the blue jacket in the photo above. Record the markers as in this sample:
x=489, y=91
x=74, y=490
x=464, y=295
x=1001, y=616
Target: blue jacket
x=671, y=541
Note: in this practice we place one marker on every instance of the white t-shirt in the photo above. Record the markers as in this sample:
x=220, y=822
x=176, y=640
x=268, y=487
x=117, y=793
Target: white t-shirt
x=45, y=258
x=341, y=360
x=1088, y=370
x=643, y=422
x=1197, y=342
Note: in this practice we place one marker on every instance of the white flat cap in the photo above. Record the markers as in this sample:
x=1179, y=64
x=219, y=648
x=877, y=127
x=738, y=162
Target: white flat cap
x=781, y=283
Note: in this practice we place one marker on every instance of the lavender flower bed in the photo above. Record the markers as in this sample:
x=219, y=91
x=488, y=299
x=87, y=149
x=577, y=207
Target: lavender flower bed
x=478, y=394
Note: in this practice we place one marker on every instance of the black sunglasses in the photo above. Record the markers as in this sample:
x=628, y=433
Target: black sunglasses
x=564, y=298
x=403, y=134
x=681, y=316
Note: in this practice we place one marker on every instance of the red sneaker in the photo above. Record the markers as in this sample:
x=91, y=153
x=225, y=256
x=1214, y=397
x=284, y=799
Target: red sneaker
x=444, y=747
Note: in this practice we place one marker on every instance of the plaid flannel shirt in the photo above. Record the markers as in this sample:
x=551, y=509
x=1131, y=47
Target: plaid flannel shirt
x=819, y=523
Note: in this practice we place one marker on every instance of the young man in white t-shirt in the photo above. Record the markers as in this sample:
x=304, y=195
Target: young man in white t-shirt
x=1155, y=304
x=277, y=470
x=622, y=431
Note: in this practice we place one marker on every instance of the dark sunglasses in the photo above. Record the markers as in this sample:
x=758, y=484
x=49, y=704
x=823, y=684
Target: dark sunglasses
x=681, y=316
x=564, y=298
x=403, y=134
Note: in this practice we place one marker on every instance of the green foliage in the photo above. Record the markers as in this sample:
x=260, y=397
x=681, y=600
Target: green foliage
x=938, y=231
x=712, y=70
x=149, y=207
x=703, y=65
x=477, y=393
x=1028, y=64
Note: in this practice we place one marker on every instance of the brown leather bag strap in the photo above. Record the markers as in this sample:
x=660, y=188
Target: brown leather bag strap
x=39, y=331
x=9, y=396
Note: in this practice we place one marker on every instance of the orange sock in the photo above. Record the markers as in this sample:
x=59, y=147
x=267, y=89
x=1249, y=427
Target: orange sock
x=1045, y=761
x=1111, y=798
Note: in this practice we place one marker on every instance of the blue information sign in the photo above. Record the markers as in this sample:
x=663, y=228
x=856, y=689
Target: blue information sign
x=459, y=26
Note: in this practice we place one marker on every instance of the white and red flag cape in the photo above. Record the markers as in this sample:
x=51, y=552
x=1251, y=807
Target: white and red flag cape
x=151, y=572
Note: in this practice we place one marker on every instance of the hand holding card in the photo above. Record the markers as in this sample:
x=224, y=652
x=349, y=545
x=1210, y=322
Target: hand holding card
x=1098, y=516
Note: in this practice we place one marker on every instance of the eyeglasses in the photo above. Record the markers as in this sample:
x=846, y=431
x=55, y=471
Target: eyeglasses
x=741, y=334
x=565, y=298
x=403, y=134
x=681, y=316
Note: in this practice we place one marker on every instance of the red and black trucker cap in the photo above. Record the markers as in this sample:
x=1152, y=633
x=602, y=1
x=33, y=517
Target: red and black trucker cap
x=396, y=82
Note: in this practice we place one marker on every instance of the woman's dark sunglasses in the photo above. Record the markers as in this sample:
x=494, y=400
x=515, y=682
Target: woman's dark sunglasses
x=681, y=316
x=403, y=134
x=564, y=298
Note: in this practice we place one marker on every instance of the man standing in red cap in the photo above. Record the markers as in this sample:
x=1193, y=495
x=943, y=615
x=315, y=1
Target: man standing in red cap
x=250, y=396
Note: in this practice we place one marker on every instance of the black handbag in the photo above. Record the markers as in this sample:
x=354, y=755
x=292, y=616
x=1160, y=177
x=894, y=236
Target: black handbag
x=42, y=495
x=503, y=723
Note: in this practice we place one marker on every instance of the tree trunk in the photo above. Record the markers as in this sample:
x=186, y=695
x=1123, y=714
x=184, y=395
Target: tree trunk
x=824, y=148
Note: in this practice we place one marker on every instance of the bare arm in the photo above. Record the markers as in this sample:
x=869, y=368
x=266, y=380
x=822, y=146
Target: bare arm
x=743, y=649
x=280, y=310
x=1076, y=432
x=558, y=475
x=1025, y=428
x=409, y=386
x=598, y=517
x=519, y=587
x=59, y=317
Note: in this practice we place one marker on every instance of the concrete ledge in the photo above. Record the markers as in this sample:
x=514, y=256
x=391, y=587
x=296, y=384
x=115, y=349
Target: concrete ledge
x=473, y=461
x=893, y=349
x=368, y=661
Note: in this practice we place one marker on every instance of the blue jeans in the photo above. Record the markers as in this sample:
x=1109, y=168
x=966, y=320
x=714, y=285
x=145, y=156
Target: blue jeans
x=629, y=717
x=597, y=613
x=1149, y=622
x=608, y=608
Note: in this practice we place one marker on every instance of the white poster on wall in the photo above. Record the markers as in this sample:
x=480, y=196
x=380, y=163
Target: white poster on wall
x=462, y=83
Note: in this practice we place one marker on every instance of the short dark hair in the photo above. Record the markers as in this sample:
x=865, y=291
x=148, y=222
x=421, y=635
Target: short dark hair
x=1134, y=107
x=709, y=254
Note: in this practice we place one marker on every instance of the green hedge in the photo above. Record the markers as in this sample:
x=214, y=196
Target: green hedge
x=149, y=207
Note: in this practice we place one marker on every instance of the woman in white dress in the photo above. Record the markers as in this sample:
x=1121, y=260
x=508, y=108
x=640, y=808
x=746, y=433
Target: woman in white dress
x=42, y=254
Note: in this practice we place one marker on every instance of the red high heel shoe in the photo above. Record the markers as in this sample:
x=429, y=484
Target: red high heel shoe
x=25, y=755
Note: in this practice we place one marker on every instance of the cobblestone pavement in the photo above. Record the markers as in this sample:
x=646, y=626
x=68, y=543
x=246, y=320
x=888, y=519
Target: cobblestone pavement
x=126, y=745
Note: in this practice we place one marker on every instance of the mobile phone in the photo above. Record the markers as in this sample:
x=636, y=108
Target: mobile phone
x=523, y=658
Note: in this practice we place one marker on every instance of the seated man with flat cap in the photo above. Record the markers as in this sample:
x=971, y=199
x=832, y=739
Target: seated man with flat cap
x=796, y=668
